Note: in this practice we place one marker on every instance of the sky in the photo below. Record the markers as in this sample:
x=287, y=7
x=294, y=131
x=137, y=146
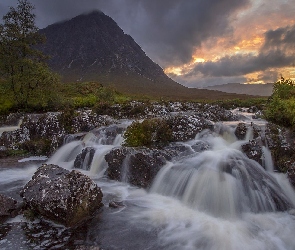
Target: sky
x=198, y=43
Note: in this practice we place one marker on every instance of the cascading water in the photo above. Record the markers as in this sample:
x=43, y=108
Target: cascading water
x=222, y=181
x=212, y=198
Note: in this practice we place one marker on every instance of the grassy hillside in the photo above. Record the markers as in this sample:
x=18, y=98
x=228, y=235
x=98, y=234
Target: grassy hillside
x=92, y=94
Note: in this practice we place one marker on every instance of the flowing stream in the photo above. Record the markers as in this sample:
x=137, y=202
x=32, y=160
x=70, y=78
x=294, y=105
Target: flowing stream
x=217, y=199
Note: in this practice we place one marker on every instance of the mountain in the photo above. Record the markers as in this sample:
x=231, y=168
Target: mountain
x=92, y=47
x=248, y=89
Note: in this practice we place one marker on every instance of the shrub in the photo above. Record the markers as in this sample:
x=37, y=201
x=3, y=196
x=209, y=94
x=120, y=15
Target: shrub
x=280, y=108
x=149, y=133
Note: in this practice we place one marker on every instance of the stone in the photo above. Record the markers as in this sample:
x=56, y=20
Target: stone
x=65, y=197
x=253, y=150
x=8, y=207
x=84, y=159
x=135, y=166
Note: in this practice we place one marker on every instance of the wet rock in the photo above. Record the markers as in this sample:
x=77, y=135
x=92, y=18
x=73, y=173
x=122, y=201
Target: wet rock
x=39, y=134
x=291, y=173
x=3, y=152
x=68, y=198
x=253, y=109
x=135, y=166
x=116, y=204
x=241, y=131
x=253, y=150
x=200, y=146
x=84, y=159
x=8, y=208
x=139, y=166
x=185, y=127
x=107, y=135
x=87, y=120
x=281, y=142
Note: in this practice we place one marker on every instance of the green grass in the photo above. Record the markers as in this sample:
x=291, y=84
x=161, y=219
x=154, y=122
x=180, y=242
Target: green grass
x=94, y=94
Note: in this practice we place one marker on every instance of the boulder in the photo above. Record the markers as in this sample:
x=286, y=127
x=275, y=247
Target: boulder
x=241, y=131
x=136, y=166
x=65, y=197
x=139, y=166
x=8, y=207
x=84, y=159
x=186, y=127
x=281, y=142
x=253, y=150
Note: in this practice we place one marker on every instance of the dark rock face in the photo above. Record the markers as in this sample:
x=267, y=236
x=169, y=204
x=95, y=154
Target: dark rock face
x=135, y=166
x=186, y=127
x=8, y=207
x=281, y=143
x=84, y=159
x=253, y=150
x=291, y=173
x=65, y=197
x=107, y=135
x=39, y=134
x=241, y=131
x=92, y=47
x=139, y=166
x=43, y=134
x=216, y=113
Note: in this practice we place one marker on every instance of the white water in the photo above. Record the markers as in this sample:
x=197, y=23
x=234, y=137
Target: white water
x=212, y=200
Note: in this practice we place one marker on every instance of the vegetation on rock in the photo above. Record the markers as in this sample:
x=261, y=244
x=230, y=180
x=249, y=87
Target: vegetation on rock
x=149, y=133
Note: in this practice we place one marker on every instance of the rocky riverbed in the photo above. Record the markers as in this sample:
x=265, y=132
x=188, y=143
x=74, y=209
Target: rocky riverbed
x=246, y=152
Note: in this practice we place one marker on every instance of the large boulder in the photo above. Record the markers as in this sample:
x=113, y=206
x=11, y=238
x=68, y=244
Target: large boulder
x=68, y=198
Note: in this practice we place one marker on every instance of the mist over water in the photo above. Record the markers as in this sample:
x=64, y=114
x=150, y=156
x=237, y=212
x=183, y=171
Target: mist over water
x=217, y=199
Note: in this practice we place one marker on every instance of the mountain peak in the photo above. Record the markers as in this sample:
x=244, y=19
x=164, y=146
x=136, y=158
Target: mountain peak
x=92, y=45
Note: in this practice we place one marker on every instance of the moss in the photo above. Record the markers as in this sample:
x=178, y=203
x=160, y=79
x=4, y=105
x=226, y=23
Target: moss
x=149, y=133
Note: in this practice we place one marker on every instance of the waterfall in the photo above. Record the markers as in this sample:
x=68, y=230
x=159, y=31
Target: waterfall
x=223, y=182
x=99, y=165
x=267, y=159
x=249, y=134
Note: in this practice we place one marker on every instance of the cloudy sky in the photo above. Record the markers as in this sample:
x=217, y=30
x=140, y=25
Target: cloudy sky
x=197, y=42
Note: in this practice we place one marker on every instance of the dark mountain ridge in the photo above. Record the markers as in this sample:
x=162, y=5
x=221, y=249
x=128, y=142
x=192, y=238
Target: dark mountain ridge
x=92, y=47
x=249, y=89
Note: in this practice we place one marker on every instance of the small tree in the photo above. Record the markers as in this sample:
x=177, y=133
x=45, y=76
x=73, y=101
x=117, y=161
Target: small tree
x=22, y=66
x=280, y=108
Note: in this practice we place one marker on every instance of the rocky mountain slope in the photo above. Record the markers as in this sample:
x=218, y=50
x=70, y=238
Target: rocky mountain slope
x=92, y=47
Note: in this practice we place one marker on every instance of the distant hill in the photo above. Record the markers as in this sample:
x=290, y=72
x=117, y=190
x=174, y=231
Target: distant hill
x=248, y=89
x=92, y=47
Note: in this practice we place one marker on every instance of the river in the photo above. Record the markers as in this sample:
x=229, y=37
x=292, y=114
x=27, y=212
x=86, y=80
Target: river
x=216, y=199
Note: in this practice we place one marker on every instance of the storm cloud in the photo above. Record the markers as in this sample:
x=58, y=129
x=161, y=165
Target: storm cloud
x=168, y=30
x=174, y=33
x=277, y=51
